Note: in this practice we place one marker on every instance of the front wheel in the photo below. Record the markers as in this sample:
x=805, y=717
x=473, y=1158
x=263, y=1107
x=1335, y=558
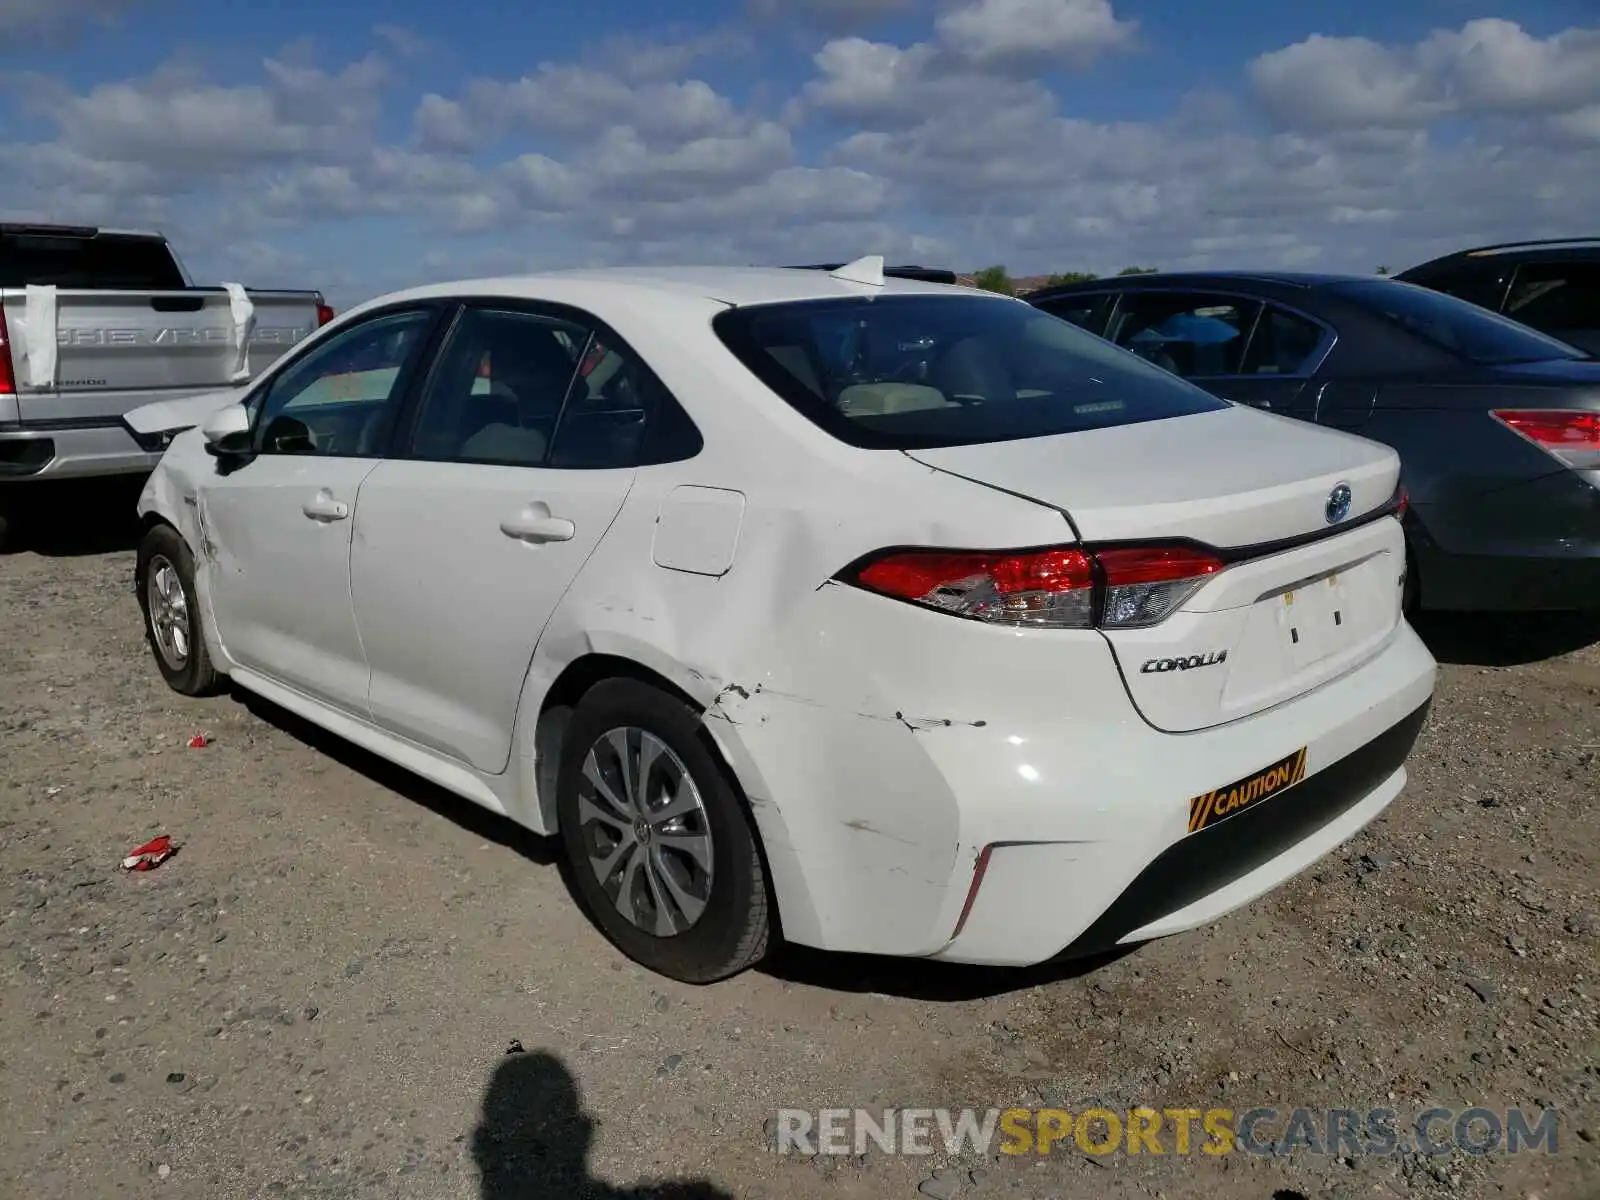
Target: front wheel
x=165, y=576
x=660, y=849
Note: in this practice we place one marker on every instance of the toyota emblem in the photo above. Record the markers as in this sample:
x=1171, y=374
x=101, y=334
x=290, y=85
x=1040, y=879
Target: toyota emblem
x=1338, y=507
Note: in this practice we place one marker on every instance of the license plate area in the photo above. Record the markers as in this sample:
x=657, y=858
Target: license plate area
x=1297, y=635
x=1318, y=618
x=1266, y=630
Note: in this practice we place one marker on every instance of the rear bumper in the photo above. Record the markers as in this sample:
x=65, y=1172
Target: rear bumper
x=67, y=451
x=889, y=753
x=1530, y=548
x=1200, y=877
x=1469, y=583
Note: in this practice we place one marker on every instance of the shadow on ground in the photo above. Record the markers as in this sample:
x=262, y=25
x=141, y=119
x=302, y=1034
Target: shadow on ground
x=73, y=518
x=533, y=1139
x=1505, y=639
x=924, y=979
x=479, y=821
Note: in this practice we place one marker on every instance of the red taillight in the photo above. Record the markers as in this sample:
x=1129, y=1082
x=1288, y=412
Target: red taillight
x=1143, y=584
x=324, y=314
x=1155, y=564
x=1063, y=587
x=8, y=378
x=1030, y=587
x=1571, y=436
x=1402, y=501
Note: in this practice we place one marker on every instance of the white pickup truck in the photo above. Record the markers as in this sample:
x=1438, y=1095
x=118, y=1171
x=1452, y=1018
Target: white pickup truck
x=96, y=322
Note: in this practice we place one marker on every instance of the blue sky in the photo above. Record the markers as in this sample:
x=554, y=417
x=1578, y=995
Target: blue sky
x=366, y=146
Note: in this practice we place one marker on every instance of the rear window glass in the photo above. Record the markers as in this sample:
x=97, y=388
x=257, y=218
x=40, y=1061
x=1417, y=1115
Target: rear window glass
x=1474, y=333
x=110, y=261
x=912, y=372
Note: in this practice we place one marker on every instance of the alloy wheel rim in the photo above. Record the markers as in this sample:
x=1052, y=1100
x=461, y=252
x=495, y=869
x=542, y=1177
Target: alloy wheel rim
x=169, y=613
x=645, y=832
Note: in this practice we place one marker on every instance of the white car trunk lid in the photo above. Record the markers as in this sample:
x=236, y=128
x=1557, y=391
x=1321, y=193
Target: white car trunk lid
x=1296, y=603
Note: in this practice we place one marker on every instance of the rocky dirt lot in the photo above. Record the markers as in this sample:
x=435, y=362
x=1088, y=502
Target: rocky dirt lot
x=316, y=996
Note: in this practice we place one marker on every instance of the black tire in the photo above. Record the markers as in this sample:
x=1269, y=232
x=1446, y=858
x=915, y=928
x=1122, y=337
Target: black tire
x=190, y=673
x=733, y=931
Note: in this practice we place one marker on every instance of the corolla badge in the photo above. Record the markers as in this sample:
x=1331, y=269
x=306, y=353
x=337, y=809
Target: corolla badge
x=1338, y=507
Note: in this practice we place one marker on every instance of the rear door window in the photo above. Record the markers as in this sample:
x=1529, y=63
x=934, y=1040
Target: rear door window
x=1557, y=297
x=530, y=389
x=1478, y=282
x=498, y=389
x=1465, y=329
x=919, y=371
x=1284, y=344
x=1192, y=334
x=1086, y=311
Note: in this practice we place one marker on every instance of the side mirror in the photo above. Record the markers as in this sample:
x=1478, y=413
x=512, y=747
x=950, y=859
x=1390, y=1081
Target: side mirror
x=227, y=432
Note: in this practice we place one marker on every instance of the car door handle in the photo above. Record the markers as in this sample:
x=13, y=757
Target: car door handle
x=323, y=507
x=535, y=524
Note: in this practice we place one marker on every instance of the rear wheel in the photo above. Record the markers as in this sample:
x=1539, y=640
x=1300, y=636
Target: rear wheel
x=165, y=575
x=660, y=848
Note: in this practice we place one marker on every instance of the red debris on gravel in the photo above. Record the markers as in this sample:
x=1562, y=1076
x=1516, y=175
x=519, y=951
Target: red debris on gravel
x=150, y=855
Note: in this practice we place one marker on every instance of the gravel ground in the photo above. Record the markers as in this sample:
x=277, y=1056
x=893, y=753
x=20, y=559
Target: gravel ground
x=316, y=995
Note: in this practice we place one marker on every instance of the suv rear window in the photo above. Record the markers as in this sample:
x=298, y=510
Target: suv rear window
x=917, y=371
x=110, y=261
x=1457, y=325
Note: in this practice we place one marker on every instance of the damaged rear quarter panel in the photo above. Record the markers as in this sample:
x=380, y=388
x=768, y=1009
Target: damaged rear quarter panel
x=849, y=807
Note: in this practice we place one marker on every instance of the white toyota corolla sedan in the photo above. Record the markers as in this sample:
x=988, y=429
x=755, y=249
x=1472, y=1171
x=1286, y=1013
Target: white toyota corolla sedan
x=873, y=614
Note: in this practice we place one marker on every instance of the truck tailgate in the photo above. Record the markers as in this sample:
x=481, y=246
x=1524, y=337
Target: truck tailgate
x=119, y=349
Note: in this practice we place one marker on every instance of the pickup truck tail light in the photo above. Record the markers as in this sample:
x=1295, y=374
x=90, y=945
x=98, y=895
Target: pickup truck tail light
x=8, y=378
x=1065, y=587
x=1570, y=436
x=324, y=314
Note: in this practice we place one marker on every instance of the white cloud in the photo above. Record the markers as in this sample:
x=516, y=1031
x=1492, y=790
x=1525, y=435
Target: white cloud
x=1581, y=124
x=1343, y=83
x=178, y=121
x=1487, y=68
x=980, y=56
x=1074, y=31
x=883, y=86
x=623, y=165
x=403, y=41
x=445, y=125
x=576, y=101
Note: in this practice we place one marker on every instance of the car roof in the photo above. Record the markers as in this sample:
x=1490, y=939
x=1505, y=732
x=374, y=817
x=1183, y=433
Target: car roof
x=38, y=229
x=720, y=286
x=1292, y=279
x=1544, y=250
